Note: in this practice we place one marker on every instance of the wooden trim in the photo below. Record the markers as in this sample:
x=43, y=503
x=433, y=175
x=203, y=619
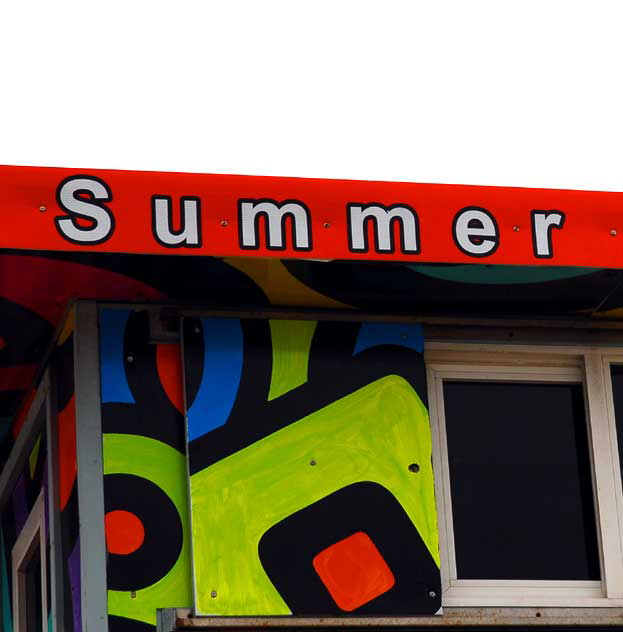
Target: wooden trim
x=604, y=482
x=23, y=551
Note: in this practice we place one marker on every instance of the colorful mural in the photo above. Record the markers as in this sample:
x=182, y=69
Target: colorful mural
x=35, y=288
x=331, y=420
x=310, y=468
x=145, y=490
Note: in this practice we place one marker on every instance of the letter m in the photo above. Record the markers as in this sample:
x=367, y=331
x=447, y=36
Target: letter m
x=383, y=220
x=275, y=216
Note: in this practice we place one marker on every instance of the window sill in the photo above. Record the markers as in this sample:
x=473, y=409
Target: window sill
x=452, y=616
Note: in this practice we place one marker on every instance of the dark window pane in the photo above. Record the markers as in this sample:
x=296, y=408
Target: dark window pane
x=520, y=479
x=34, y=610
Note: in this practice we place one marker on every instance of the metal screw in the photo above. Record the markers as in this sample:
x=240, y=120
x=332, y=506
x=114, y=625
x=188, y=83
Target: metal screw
x=224, y=222
x=312, y=462
x=414, y=467
x=326, y=225
x=432, y=594
x=213, y=594
x=516, y=229
x=130, y=359
x=613, y=232
x=43, y=208
x=133, y=594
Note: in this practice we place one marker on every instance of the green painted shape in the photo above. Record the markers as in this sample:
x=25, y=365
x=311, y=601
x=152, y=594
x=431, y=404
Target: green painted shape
x=7, y=620
x=34, y=457
x=500, y=275
x=372, y=434
x=166, y=467
x=291, y=340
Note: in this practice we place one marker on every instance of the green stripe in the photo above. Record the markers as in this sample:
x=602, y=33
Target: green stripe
x=291, y=340
x=500, y=275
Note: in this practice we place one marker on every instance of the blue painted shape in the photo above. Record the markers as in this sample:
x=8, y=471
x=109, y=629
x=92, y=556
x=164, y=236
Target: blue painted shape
x=114, y=382
x=222, y=368
x=6, y=609
x=374, y=334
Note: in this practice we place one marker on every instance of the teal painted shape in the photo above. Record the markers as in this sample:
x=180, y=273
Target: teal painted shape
x=5, y=426
x=500, y=275
x=7, y=619
x=50, y=624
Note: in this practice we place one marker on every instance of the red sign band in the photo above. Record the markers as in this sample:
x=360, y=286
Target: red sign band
x=220, y=215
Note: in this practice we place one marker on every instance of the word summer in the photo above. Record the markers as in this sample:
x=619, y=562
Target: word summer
x=370, y=227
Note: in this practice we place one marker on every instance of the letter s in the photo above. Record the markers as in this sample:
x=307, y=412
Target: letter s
x=70, y=196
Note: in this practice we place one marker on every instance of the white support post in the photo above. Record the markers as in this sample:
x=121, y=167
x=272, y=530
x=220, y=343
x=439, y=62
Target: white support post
x=90, y=470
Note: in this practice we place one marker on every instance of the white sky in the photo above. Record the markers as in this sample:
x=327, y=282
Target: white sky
x=524, y=93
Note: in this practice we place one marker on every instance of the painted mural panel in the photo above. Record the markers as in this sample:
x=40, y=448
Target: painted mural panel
x=36, y=286
x=145, y=490
x=67, y=487
x=309, y=454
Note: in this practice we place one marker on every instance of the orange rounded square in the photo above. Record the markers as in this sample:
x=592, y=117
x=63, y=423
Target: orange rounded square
x=353, y=571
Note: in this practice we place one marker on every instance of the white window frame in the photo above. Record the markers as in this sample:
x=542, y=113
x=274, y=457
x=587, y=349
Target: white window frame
x=31, y=535
x=589, y=366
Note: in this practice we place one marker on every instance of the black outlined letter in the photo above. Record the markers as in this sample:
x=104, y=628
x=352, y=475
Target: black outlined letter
x=543, y=222
x=475, y=231
x=275, y=215
x=82, y=197
x=189, y=234
x=383, y=219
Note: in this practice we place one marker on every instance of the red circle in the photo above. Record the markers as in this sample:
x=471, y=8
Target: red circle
x=125, y=532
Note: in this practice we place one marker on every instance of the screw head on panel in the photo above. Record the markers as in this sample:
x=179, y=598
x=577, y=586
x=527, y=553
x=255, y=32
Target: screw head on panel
x=432, y=594
x=312, y=462
x=43, y=209
x=224, y=222
x=213, y=594
x=414, y=467
x=613, y=232
x=130, y=359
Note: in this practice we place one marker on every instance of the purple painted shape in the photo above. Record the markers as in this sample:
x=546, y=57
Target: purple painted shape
x=20, y=504
x=74, y=582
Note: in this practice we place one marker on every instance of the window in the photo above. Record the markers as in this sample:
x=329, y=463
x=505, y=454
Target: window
x=528, y=495
x=29, y=574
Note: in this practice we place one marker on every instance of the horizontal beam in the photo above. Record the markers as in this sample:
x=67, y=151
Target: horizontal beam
x=451, y=617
